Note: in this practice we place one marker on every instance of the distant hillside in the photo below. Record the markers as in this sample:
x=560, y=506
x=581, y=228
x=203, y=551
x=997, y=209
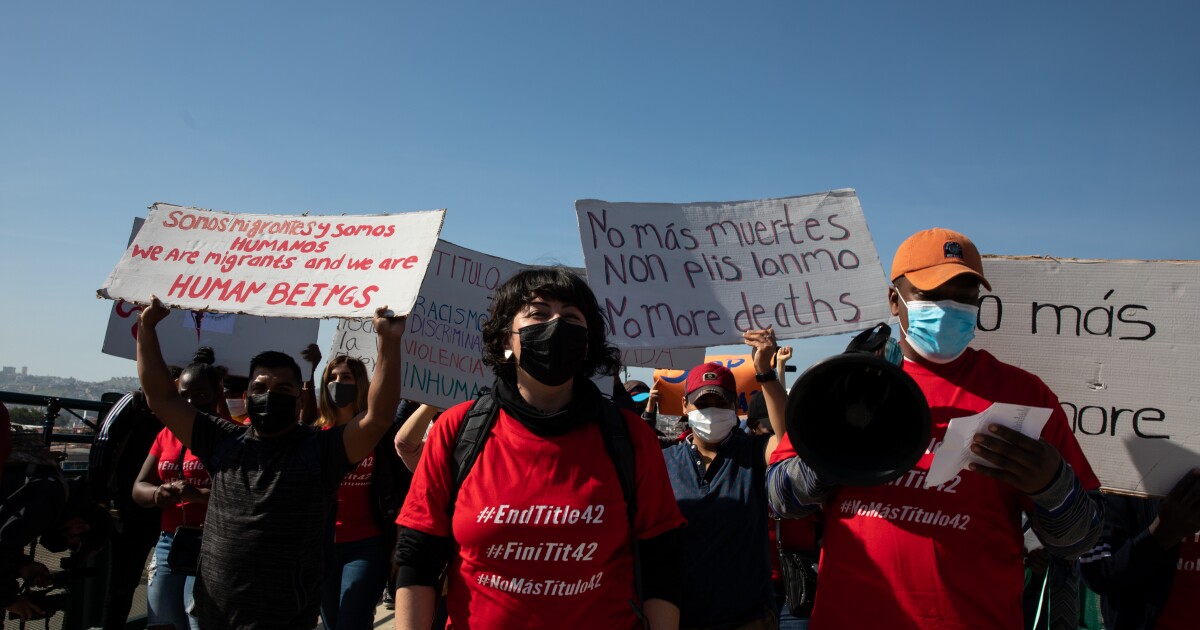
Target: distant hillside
x=64, y=387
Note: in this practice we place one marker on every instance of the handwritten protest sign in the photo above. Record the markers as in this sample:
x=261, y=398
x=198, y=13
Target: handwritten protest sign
x=699, y=274
x=443, y=341
x=1117, y=342
x=235, y=339
x=672, y=384
x=282, y=266
x=443, y=347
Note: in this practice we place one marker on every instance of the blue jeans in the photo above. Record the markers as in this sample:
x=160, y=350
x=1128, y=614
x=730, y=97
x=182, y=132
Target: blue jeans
x=356, y=575
x=787, y=621
x=169, y=595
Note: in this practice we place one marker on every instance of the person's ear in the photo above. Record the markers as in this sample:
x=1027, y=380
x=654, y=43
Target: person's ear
x=894, y=300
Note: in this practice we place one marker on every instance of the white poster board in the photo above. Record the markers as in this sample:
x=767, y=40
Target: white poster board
x=700, y=274
x=1118, y=343
x=276, y=265
x=443, y=346
x=235, y=339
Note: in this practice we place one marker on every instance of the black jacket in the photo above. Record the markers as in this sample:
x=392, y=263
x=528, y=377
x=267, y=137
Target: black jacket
x=1128, y=568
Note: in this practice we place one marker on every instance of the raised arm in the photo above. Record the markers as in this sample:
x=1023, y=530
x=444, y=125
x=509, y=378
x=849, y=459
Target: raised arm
x=763, y=342
x=310, y=413
x=162, y=395
x=383, y=397
x=410, y=439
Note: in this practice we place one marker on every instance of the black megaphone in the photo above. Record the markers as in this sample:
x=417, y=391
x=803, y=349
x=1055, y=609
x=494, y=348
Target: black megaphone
x=857, y=419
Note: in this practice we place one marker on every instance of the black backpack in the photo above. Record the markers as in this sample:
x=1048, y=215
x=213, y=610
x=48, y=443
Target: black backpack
x=473, y=432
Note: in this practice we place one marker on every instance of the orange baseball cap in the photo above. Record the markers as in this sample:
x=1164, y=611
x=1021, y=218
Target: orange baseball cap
x=930, y=258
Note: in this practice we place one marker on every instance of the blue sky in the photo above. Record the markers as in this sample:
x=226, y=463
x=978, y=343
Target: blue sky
x=1068, y=129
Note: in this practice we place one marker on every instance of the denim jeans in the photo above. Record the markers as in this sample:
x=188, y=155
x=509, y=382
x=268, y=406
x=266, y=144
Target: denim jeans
x=169, y=595
x=355, y=578
x=787, y=621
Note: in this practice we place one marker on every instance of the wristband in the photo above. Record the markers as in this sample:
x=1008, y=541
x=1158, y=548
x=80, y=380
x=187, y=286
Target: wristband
x=766, y=378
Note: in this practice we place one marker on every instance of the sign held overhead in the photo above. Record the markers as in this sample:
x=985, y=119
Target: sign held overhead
x=700, y=274
x=276, y=265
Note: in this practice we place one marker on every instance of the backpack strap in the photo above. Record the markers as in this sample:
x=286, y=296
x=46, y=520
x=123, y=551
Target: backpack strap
x=619, y=444
x=468, y=443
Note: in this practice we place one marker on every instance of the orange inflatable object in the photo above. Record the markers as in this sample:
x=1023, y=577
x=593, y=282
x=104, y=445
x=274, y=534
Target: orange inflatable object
x=671, y=383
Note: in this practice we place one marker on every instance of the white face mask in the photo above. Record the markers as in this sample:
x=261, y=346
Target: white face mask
x=712, y=424
x=237, y=407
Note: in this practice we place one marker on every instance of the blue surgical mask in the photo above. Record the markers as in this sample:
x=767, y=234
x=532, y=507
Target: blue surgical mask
x=940, y=331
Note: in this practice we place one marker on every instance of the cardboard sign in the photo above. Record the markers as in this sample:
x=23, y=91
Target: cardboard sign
x=279, y=266
x=672, y=383
x=443, y=340
x=1117, y=342
x=677, y=358
x=443, y=345
x=235, y=339
x=700, y=274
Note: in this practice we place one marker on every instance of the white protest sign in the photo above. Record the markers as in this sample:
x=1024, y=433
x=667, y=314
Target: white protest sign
x=1117, y=342
x=235, y=339
x=276, y=265
x=667, y=358
x=443, y=346
x=699, y=274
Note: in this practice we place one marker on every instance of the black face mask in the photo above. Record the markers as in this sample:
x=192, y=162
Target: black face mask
x=271, y=412
x=341, y=394
x=553, y=352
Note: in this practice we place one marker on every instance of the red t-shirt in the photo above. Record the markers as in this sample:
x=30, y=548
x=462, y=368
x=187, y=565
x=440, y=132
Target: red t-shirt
x=947, y=557
x=355, y=519
x=1180, y=611
x=167, y=448
x=540, y=525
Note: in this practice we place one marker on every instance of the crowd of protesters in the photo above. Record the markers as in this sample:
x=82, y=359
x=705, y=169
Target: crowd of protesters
x=276, y=501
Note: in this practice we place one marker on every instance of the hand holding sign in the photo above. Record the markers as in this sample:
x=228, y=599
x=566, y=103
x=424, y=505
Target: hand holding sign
x=151, y=315
x=763, y=342
x=1179, y=515
x=389, y=327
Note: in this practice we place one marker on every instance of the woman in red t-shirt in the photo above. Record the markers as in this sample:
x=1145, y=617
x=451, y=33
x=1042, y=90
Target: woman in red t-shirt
x=172, y=478
x=357, y=569
x=541, y=536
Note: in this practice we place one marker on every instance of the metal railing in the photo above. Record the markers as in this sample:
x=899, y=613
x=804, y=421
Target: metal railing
x=86, y=592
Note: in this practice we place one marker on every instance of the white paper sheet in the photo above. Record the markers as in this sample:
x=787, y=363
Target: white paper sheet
x=955, y=452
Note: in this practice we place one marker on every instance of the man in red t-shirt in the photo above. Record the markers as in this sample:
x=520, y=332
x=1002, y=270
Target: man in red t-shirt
x=901, y=555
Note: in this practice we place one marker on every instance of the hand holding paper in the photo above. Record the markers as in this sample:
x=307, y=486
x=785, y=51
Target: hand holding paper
x=1001, y=443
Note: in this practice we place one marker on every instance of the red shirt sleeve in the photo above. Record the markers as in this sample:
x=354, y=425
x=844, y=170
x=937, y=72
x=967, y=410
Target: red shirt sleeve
x=156, y=449
x=783, y=451
x=657, y=512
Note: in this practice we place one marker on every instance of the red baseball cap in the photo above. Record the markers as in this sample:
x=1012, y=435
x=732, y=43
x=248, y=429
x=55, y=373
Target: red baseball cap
x=930, y=258
x=710, y=378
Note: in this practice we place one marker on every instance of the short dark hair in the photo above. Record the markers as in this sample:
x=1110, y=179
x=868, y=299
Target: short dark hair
x=555, y=283
x=273, y=359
